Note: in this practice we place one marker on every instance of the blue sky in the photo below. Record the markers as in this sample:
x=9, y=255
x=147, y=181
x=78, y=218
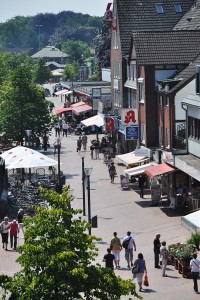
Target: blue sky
x=11, y=8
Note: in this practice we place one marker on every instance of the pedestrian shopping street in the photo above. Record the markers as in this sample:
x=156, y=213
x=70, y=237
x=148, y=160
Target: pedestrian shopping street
x=119, y=211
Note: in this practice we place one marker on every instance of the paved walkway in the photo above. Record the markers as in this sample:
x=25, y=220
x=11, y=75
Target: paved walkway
x=120, y=211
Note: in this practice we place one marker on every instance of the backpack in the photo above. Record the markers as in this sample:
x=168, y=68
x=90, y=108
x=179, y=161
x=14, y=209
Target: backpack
x=125, y=243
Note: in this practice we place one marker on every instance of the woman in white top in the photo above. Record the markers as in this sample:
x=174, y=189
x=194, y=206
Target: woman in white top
x=194, y=265
x=5, y=226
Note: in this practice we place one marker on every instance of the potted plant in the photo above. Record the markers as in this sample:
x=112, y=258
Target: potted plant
x=194, y=240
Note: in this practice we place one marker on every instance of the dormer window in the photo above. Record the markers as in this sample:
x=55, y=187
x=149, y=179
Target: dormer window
x=178, y=8
x=159, y=9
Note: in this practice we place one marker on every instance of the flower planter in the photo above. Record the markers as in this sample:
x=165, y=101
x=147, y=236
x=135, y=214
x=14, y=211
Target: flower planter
x=176, y=262
x=184, y=269
x=171, y=259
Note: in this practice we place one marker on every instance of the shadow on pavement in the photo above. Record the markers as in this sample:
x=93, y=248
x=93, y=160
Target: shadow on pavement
x=174, y=212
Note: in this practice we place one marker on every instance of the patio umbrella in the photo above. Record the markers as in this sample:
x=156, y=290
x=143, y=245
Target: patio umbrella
x=35, y=159
x=15, y=154
x=13, y=151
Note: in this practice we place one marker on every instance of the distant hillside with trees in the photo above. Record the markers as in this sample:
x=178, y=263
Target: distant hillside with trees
x=48, y=28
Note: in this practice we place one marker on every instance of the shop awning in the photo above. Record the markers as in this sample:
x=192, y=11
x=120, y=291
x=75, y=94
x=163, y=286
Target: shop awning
x=189, y=164
x=159, y=170
x=131, y=159
x=61, y=92
x=81, y=109
x=77, y=104
x=62, y=110
x=137, y=170
x=95, y=120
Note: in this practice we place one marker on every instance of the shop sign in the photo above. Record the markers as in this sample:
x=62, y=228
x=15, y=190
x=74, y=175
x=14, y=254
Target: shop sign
x=110, y=124
x=131, y=132
x=129, y=116
x=168, y=157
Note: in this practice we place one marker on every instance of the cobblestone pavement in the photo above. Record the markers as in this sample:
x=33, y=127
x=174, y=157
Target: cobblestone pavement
x=120, y=211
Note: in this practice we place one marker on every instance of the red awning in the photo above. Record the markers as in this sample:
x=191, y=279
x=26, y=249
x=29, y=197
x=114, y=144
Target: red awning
x=62, y=110
x=158, y=170
x=81, y=109
x=77, y=104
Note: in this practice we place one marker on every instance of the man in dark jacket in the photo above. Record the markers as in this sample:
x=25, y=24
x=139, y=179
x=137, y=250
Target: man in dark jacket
x=156, y=249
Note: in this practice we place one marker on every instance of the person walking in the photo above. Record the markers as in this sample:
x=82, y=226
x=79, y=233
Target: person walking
x=14, y=227
x=57, y=129
x=84, y=141
x=92, y=151
x=79, y=144
x=142, y=269
x=5, y=226
x=129, y=249
x=142, y=182
x=112, y=171
x=116, y=247
x=108, y=259
x=195, y=265
x=65, y=128
x=57, y=146
x=20, y=216
x=164, y=257
x=156, y=250
x=96, y=148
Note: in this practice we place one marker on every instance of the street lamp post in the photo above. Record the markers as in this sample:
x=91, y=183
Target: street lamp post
x=88, y=172
x=58, y=147
x=82, y=154
x=39, y=25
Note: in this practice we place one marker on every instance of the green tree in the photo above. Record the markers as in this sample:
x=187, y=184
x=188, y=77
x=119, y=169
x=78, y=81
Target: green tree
x=23, y=106
x=78, y=50
x=41, y=73
x=71, y=71
x=58, y=258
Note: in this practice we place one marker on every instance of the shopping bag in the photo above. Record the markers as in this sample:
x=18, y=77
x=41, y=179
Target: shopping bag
x=146, y=280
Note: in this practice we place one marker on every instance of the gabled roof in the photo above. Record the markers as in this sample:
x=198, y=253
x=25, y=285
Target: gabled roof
x=50, y=52
x=173, y=47
x=141, y=15
x=191, y=20
x=186, y=75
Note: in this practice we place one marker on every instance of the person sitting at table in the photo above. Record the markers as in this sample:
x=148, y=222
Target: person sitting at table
x=180, y=190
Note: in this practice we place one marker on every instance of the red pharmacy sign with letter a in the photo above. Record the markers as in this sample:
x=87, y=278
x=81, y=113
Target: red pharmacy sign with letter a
x=129, y=117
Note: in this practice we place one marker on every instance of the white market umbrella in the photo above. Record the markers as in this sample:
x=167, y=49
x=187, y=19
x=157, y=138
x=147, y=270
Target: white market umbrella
x=35, y=159
x=16, y=153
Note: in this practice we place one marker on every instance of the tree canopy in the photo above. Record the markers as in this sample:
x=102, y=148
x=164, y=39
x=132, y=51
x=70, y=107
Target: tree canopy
x=71, y=71
x=23, y=105
x=41, y=73
x=24, y=31
x=58, y=258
